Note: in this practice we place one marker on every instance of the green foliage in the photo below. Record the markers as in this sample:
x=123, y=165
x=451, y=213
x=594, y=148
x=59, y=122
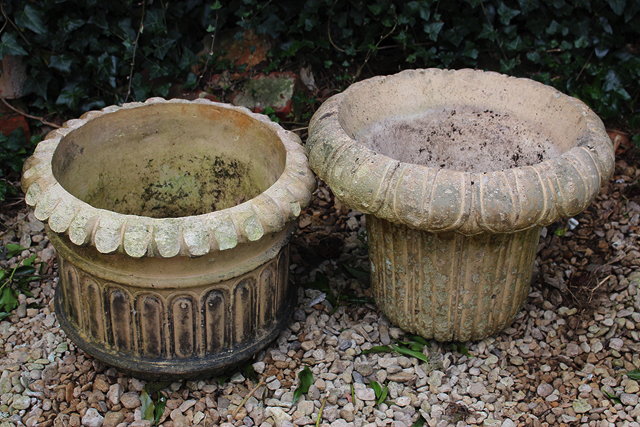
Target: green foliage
x=80, y=52
x=611, y=396
x=583, y=48
x=412, y=347
x=459, y=347
x=153, y=401
x=419, y=422
x=381, y=391
x=305, y=379
x=15, y=281
x=335, y=298
x=14, y=149
x=634, y=375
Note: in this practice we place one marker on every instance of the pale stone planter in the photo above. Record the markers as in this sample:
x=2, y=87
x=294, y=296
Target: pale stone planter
x=171, y=220
x=457, y=171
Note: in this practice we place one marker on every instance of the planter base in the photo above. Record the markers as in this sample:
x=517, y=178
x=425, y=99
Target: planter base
x=447, y=286
x=155, y=330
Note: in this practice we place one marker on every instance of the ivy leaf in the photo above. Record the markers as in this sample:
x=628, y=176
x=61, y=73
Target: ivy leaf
x=612, y=397
x=31, y=18
x=305, y=379
x=360, y=275
x=9, y=45
x=61, y=63
x=634, y=375
x=216, y=5
x=148, y=407
x=378, y=349
x=612, y=84
x=617, y=6
x=375, y=8
x=409, y=352
x=506, y=13
x=433, y=29
x=13, y=249
x=8, y=300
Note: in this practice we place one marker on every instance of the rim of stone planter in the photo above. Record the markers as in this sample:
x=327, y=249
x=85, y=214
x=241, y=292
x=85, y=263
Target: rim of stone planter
x=440, y=199
x=194, y=235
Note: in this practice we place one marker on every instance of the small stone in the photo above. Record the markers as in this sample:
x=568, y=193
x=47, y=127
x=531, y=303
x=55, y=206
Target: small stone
x=92, y=418
x=274, y=385
x=308, y=345
x=101, y=384
x=544, y=389
x=631, y=387
x=403, y=401
x=112, y=419
x=581, y=406
x=130, y=400
x=279, y=416
x=186, y=405
x=629, y=399
x=402, y=376
x=508, y=423
x=259, y=367
x=21, y=402
x=21, y=311
x=114, y=393
x=584, y=388
x=572, y=350
x=366, y=394
x=199, y=416
x=517, y=360
x=347, y=412
x=306, y=407
x=616, y=344
x=477, y=389
x=364, y=368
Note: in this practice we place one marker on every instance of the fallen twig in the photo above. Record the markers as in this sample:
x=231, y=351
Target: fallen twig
x=40, y=119
x=253, y=390
x=210, y=53
x=135, y=49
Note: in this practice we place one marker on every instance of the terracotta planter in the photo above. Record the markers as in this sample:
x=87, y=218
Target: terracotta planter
x=457, y=171
x=171, y=220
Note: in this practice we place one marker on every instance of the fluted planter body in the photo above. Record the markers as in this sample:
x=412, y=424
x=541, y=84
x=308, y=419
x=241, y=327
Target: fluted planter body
x=457, y=171
x=171, y=220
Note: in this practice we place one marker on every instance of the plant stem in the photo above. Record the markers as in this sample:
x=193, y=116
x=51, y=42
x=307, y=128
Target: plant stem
x=135, y=49
x=22, y=113
x=324, y=401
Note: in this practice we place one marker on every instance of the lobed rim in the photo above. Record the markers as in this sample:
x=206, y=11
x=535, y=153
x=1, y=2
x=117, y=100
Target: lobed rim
x=195, y=235
x=441, y=200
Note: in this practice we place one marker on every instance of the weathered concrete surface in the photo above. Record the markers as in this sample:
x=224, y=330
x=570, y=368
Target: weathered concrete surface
x=468, y=152
x=274, y=91
x=171, y=220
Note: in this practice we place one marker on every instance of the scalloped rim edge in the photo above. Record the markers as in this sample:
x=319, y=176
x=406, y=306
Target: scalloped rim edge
x=332, y=152
x=195, y=235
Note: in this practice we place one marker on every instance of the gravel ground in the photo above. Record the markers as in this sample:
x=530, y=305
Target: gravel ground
x=562, y=361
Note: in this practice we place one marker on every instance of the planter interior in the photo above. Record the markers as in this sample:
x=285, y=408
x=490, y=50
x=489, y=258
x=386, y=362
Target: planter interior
x=461, y=127
x=169, y=160
x=171, y=220
x=452, y=167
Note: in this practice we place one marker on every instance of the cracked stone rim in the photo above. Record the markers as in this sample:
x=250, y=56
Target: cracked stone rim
x=195, y=235
x=506, y=200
